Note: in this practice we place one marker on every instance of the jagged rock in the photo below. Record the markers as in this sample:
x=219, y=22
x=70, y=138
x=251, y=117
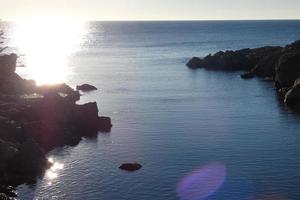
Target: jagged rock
x=130, y=166
x=86, y=87
x=85, y=118
x=8, y=192
x=288, y=69
x=194, y=63
x=265, y=66
x=4, y=197
x=281, y=65
x=282, y=91
x=104, y=124
x=57, y=88
x=73, y=97
x=292, y=97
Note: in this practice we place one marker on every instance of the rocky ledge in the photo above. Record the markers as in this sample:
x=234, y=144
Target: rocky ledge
x=34, y=120
x=280, y=64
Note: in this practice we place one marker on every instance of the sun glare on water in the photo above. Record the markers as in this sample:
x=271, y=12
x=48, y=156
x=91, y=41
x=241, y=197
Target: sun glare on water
x=46, y=44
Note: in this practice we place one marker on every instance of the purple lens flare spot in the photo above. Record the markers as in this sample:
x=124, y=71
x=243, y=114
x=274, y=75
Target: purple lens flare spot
x=201, y=183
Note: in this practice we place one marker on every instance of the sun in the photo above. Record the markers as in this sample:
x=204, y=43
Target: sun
x=46, y=43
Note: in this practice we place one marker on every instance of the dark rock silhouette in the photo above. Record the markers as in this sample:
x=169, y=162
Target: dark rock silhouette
x=34, y=120
x=248, y=75
x=280, y=64
x=86, y=87
x=288, y=69
x=130, y=166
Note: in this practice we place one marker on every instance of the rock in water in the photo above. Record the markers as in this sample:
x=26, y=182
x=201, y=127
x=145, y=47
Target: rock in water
x=194, y=63
x=130, y=166
x=104, y=124
x=86, y=87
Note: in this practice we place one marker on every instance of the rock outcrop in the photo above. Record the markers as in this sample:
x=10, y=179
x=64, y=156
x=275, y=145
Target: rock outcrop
x=280, y=64
x=130, y=166
x=34, y=120
x=86, y=87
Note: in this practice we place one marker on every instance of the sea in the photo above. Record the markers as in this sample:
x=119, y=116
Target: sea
x=199, y=135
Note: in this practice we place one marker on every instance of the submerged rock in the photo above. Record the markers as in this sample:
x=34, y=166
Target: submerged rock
x=130, y=166
x=86, y=87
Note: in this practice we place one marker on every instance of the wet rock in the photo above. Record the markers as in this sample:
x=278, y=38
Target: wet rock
x=130, y=166
x=8, y=192
x=282, y=91
x=86, y=87
x=3, y=196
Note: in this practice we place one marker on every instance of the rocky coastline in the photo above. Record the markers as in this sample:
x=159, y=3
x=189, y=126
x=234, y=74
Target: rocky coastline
x=279, y=64
x=36, y=119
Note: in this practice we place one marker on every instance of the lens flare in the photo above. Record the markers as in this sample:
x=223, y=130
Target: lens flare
x=202, y=182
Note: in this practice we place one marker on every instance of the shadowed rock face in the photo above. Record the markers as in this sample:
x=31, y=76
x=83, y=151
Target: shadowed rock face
x=288, y=69
x=281, y=64
x=36, y=119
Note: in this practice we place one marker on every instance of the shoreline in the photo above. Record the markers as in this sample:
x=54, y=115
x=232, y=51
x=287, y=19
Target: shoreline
x=278, y=64
x=36, y=119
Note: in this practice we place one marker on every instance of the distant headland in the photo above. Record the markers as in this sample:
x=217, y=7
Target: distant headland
x=279, y=64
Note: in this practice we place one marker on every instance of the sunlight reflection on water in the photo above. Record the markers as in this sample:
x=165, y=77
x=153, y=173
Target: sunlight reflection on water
x=46, y=44
x=52, y=173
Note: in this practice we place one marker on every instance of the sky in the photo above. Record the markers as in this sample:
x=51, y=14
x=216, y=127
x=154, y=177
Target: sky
x=151, y=9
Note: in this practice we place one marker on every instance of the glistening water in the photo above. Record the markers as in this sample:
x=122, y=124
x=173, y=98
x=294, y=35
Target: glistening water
x=178, y=123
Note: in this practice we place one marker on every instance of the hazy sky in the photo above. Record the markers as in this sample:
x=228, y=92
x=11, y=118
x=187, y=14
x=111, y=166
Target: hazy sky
x=152, y=9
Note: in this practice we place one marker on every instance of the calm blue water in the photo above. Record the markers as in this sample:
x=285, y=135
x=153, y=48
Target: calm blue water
x=173, y=120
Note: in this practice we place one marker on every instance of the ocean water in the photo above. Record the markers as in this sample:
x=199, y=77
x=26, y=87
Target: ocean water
x=174, y=120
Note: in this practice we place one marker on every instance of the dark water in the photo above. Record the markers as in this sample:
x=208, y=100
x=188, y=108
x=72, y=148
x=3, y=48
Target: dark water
x=173, y=120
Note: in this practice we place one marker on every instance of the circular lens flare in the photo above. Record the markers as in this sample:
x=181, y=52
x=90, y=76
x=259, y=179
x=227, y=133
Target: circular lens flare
x=202, y=182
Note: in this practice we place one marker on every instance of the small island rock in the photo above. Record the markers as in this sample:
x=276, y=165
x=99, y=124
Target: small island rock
x=86, y=87
x=130, y=166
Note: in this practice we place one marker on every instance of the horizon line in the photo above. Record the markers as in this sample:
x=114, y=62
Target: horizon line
x=167, y=20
